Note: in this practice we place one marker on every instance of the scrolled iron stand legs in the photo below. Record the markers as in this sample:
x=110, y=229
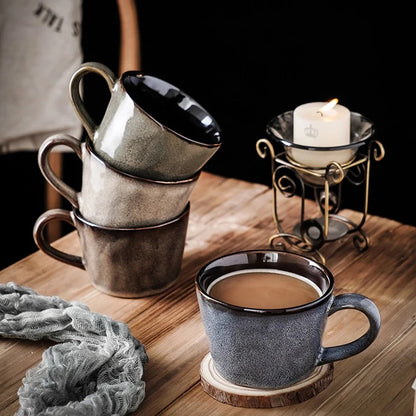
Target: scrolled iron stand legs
x=290, y=179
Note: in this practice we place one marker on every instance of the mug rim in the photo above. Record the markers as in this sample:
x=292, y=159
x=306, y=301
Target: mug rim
x=268, y=311
x=188, y=139
x=90, y=148
x=76, y=212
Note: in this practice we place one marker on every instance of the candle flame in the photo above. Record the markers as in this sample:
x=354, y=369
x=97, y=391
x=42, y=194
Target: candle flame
x=328, y=106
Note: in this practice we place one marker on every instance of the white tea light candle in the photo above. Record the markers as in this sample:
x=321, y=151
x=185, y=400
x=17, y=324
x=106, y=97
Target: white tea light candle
x=321, y=124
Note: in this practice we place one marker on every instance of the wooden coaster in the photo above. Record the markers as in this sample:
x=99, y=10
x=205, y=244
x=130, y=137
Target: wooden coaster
x=240, y=396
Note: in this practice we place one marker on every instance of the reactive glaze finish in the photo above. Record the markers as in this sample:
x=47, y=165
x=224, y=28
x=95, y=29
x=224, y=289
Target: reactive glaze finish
x=123, y=262
x=112, y=198
x=275, y=348
x=150, y=128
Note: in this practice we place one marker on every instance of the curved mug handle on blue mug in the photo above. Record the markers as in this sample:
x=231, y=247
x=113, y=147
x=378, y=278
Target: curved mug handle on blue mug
x=370, y=310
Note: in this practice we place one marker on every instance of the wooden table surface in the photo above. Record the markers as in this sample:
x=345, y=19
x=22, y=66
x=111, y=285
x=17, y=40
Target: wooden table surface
x=230, y=215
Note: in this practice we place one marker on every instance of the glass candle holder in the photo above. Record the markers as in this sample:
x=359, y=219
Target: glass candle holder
x=323, y=169
x=316, y=159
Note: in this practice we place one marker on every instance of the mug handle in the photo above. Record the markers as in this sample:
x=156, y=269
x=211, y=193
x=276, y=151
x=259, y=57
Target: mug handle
x=43, y=161
x=368, y=308
x=74, y=92
x=56, y=214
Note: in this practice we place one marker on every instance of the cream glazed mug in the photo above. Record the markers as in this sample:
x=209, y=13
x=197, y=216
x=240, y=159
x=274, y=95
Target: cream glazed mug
x=109, y=197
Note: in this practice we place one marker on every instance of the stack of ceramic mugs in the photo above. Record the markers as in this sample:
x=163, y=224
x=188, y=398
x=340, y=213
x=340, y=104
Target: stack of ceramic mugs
x=139, y=167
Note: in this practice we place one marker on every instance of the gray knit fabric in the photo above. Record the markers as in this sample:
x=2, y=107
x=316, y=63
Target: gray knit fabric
x=96, y=369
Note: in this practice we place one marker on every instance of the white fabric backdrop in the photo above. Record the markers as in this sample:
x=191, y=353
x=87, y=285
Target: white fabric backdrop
x=40, y=48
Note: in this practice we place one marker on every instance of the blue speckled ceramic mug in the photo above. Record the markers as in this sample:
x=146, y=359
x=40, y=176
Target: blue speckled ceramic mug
x=276, y=348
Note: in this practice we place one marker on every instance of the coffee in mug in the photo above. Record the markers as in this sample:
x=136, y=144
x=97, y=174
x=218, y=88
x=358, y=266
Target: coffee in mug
x=265, y=289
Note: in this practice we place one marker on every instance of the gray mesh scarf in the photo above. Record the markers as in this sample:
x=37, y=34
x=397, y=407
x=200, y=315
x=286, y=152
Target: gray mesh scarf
x=95, y=369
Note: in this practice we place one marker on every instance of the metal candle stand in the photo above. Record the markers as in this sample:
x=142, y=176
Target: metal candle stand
x=292, y=178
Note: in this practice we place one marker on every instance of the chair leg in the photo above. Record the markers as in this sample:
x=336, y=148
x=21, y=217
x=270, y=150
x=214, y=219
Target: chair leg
x=130, y=57
x=53, y=199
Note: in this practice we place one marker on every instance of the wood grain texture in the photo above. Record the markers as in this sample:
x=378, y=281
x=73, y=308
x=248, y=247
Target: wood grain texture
x=229, y=215
x=225, y=392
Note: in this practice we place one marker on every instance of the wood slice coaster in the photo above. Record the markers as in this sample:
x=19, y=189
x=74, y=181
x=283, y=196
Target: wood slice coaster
x=240, y=396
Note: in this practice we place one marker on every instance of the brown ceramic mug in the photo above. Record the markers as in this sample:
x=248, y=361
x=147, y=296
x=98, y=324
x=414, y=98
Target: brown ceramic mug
x=123, y=262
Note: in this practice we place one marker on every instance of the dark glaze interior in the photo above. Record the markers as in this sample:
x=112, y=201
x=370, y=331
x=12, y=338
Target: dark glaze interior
x=171, y=107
